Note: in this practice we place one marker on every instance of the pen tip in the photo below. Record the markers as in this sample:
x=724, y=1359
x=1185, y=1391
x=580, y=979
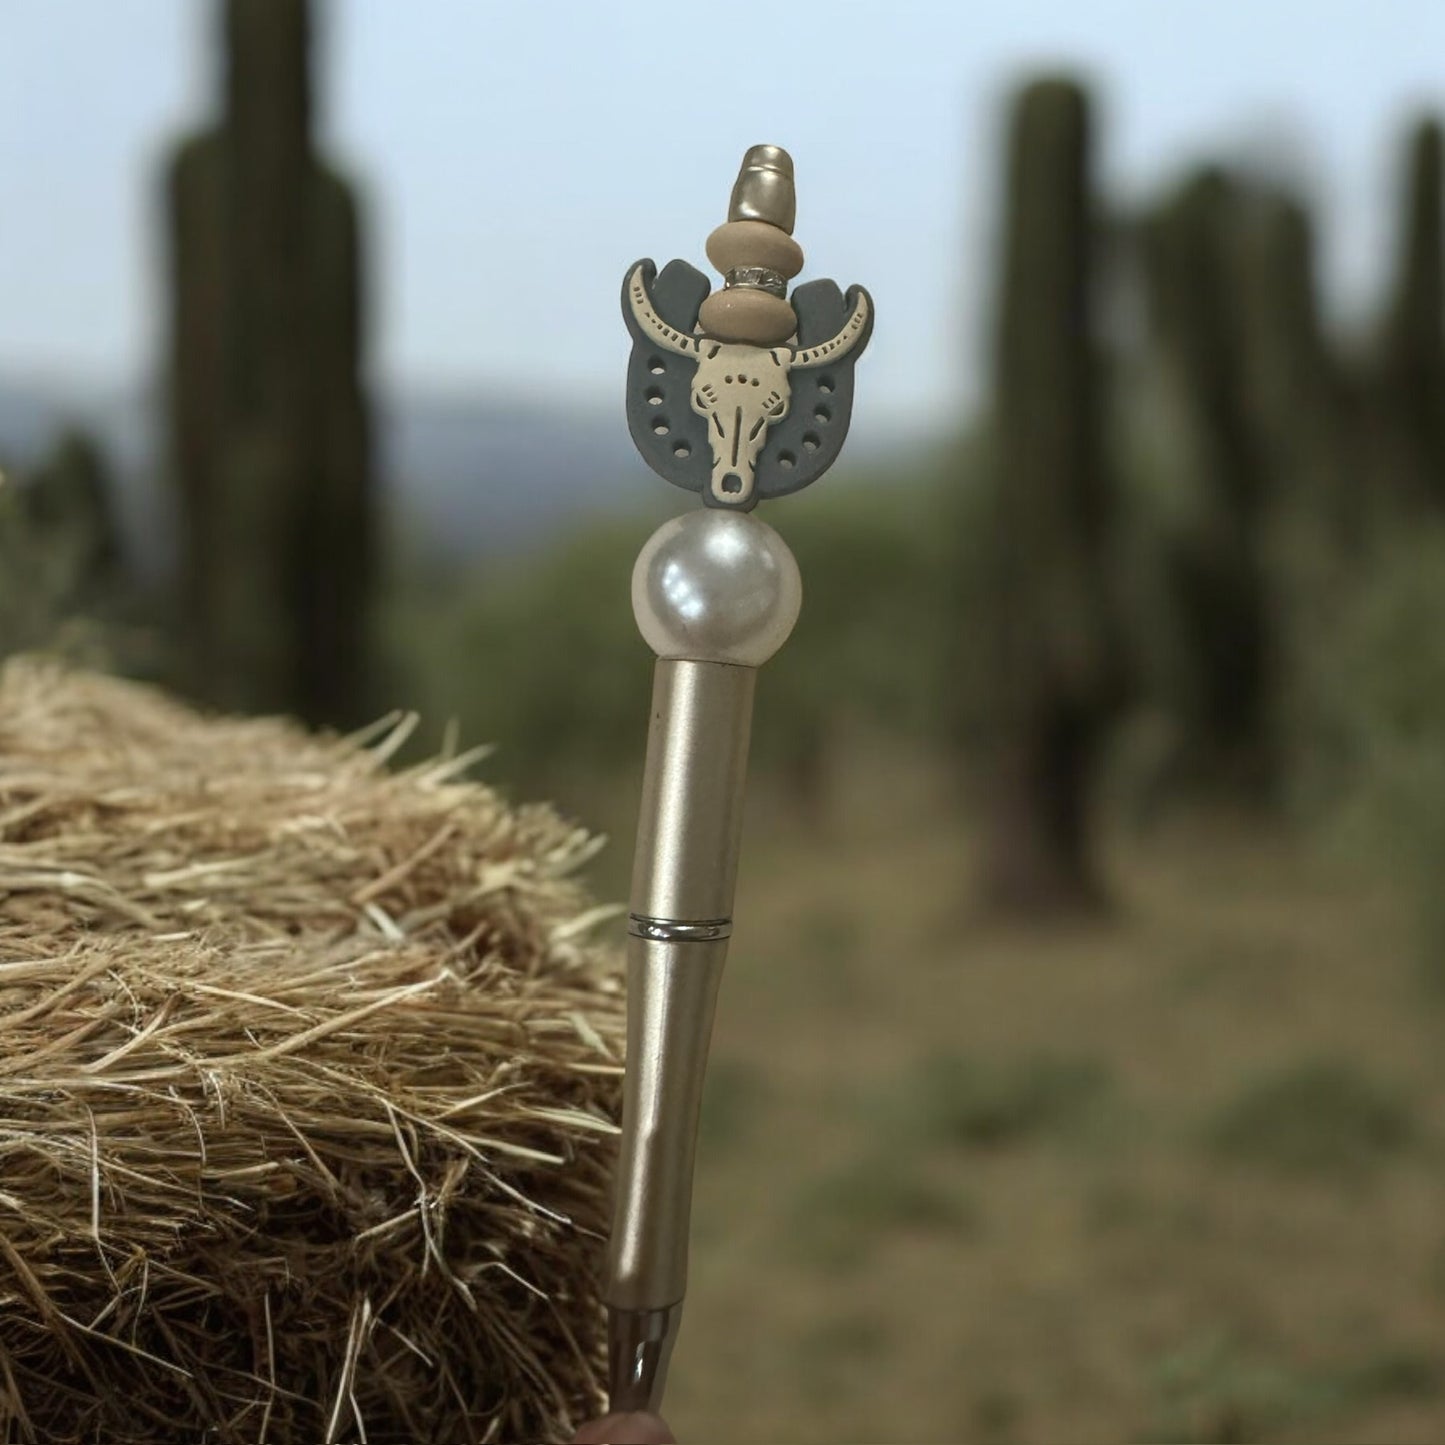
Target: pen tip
x=639, y=1347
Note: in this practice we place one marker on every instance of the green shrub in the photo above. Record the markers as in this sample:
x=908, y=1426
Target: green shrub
x=540, y=658
x=1371, y=723
x=544, y=659
x=1322, y=1117
x=953, y=1098
x=61, y=578
x=1213, y=1388
x=840, y=1217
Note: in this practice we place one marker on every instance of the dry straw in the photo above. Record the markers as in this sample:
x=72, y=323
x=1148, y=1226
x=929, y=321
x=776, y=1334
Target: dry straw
x=307, y=1075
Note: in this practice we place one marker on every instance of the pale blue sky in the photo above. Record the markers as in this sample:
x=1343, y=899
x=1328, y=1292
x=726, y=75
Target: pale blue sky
x=518, y=157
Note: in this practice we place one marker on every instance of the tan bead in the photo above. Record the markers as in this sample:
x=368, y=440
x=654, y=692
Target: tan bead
x=743, y=313
x=754, y=243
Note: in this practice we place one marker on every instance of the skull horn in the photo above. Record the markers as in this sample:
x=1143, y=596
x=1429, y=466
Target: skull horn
x=653, y=326
x=840, y=345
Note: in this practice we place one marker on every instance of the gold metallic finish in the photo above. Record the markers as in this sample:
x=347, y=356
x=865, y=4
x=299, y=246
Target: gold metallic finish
x=691, y=815
x=671, y=994
x=764, y=190
x=715, y=595
x=684, y=875
x=639, y=1349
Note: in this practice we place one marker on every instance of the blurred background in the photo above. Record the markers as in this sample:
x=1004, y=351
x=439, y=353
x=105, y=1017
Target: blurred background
x=1078, y=1074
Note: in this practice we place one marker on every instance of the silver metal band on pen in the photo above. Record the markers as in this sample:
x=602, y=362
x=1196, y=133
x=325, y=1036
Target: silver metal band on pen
x=761, y=278
x=677, y=930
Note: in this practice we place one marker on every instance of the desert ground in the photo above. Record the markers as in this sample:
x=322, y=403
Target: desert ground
x=1176, y=1175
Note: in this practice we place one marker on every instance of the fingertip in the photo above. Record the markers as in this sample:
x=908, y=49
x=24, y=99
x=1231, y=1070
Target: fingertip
x=634, y=1428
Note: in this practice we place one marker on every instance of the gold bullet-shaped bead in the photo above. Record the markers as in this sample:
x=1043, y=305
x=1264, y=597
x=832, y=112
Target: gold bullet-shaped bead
x=763, y=190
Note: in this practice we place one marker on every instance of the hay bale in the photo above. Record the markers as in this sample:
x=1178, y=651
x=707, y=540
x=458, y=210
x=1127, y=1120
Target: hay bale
x=307, y=1076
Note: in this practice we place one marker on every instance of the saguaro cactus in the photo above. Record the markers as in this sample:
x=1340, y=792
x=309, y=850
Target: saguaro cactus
x=1411, y=372
x=61, y=562
x=268, y=418
x=71, y=514
x=1052, y=661
x=1216, y=564
x=1306, y=408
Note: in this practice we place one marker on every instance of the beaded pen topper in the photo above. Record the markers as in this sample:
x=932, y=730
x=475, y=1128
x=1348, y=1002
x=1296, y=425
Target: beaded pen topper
x=741, y=394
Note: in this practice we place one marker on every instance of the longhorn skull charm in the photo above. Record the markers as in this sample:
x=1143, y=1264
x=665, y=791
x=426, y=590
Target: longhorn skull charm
x=714, y=411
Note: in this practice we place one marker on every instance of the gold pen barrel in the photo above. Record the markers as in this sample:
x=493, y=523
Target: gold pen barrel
x=715, y=595
x=672, y=991
x=684, y=875
x=690, y=817
x=741, y=374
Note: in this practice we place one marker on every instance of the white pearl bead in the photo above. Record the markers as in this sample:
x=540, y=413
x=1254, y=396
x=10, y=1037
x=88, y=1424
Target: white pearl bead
x=716, y=586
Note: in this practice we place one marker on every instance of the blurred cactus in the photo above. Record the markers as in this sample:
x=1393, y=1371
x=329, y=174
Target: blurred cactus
x=30, y=604
x=72, y=521
x=60, y=556
x=1304, y=407
x=1410, y=379
x=1053, y=660
x=269, y=429
x=1215, y=555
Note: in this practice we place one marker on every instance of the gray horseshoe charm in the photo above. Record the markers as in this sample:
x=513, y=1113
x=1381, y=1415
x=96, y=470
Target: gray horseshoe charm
x=711, y=409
